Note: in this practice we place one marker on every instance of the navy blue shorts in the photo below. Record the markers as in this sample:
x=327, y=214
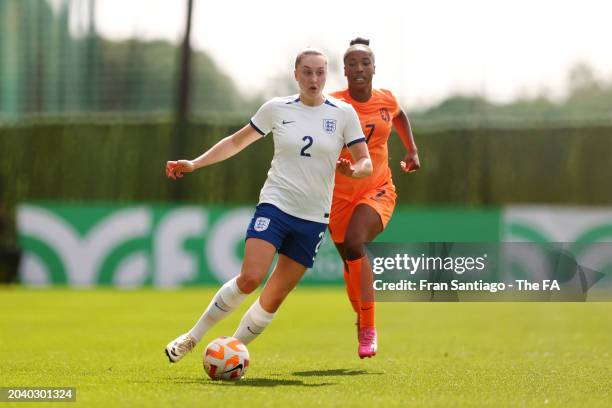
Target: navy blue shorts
x=293, y=237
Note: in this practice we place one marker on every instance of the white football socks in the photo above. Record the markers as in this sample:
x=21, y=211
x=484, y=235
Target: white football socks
x=253, y=323
x=222, y=304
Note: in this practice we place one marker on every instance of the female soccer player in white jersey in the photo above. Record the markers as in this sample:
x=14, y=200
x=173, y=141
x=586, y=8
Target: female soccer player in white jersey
x=309, y=131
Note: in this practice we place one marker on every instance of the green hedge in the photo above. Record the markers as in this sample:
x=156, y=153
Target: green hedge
x=559, y=166
x=119, y=162
x=115, y=161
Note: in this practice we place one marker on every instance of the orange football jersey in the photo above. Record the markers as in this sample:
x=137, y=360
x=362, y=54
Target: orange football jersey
x=376, y=117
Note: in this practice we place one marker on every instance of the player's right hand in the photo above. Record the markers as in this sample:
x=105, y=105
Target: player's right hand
x=176, y=169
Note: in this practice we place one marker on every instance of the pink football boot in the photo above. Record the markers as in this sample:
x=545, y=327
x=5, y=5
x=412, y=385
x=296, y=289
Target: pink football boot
x=367, y=342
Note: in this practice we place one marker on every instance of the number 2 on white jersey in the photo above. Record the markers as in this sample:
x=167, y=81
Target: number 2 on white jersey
x=308, y=140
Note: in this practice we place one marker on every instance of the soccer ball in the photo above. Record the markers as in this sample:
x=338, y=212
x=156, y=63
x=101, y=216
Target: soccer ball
x=226, y=358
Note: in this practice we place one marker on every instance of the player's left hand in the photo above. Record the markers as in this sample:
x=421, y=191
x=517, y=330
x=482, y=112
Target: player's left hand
x=411, y=162
x=345, y=167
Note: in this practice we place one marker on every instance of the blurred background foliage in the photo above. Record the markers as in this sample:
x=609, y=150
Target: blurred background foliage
x=86, y=118
x=47, y=69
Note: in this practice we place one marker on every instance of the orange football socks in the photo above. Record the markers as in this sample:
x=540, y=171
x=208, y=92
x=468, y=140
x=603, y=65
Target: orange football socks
x=360, y=274
x=351, y=291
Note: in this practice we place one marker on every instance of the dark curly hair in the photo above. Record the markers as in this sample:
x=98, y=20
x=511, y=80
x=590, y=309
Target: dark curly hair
x=359, y=43
x=360, y=40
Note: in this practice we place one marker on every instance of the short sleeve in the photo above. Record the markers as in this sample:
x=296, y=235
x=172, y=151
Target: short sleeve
x=352, y=131
x=262, y=120
x=394, y=105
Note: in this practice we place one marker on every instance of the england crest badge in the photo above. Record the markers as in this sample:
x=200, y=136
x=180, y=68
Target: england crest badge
x=329, y=125
x=261, y=224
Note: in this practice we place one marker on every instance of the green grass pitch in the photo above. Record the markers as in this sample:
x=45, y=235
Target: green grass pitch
x=109, y=345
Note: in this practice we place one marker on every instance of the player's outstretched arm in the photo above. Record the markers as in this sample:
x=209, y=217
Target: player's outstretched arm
x=411, y=161
x=363, y=164
x=224, y=149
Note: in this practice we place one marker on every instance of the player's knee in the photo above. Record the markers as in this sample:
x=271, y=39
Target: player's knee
x=248, y=282
x=354, y=245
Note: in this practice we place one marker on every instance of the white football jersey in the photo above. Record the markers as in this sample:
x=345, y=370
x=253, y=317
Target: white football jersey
x=307, y=144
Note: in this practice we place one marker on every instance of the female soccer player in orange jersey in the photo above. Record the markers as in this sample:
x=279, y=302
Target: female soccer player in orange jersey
x=362, y=208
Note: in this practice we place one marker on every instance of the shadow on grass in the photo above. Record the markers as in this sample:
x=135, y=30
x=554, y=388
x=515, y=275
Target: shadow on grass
x=269, y=382
x=248, y=382
x=337, y=372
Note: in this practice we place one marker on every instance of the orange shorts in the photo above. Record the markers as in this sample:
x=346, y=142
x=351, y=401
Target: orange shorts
x=381, y=199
